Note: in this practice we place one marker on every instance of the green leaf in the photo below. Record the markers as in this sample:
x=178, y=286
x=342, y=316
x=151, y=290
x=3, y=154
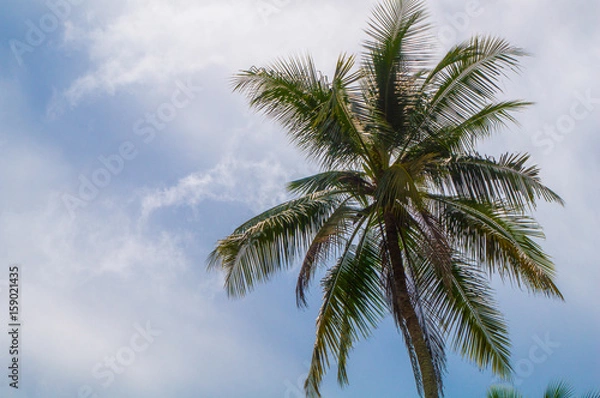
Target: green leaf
x=271, y=241
x=353, y=304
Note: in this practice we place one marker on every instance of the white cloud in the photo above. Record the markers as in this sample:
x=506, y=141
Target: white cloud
x=257, y=184
x=86, y=281
x=152, y=41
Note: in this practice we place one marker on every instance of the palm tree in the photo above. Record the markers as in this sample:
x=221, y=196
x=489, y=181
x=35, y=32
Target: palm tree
x=406, y=217
x=555, y=390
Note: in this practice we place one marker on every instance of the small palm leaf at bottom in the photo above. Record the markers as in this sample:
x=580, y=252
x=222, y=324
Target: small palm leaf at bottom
x=562, y=389
x=559, y=389
x=503, y=392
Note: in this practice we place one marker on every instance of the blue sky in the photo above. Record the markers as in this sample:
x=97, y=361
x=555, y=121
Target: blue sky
x=134, y=98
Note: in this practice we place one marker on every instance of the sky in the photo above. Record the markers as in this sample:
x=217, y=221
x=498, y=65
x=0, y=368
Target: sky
x=125, y=157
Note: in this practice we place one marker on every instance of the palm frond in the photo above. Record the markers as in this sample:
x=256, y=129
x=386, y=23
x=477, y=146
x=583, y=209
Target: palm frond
x=396, y=186
x=486, y=179
x=271, y=241
x=461, y=135
x=351, y=182
x=399, y=46
x=559, y=390
x=313, y=110
x=501, y=239
x=427, y=236
x=469, y=312
x=353, y=305
x=467, y=78
x=331, y=238
x=503, y=392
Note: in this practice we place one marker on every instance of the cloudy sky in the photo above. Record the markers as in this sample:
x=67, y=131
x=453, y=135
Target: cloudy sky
x=125, y=156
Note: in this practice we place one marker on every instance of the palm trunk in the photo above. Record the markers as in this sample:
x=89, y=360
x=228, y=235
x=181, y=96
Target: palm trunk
x=407, y=311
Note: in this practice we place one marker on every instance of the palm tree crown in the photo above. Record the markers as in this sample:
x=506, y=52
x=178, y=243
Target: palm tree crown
x=406, y=217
